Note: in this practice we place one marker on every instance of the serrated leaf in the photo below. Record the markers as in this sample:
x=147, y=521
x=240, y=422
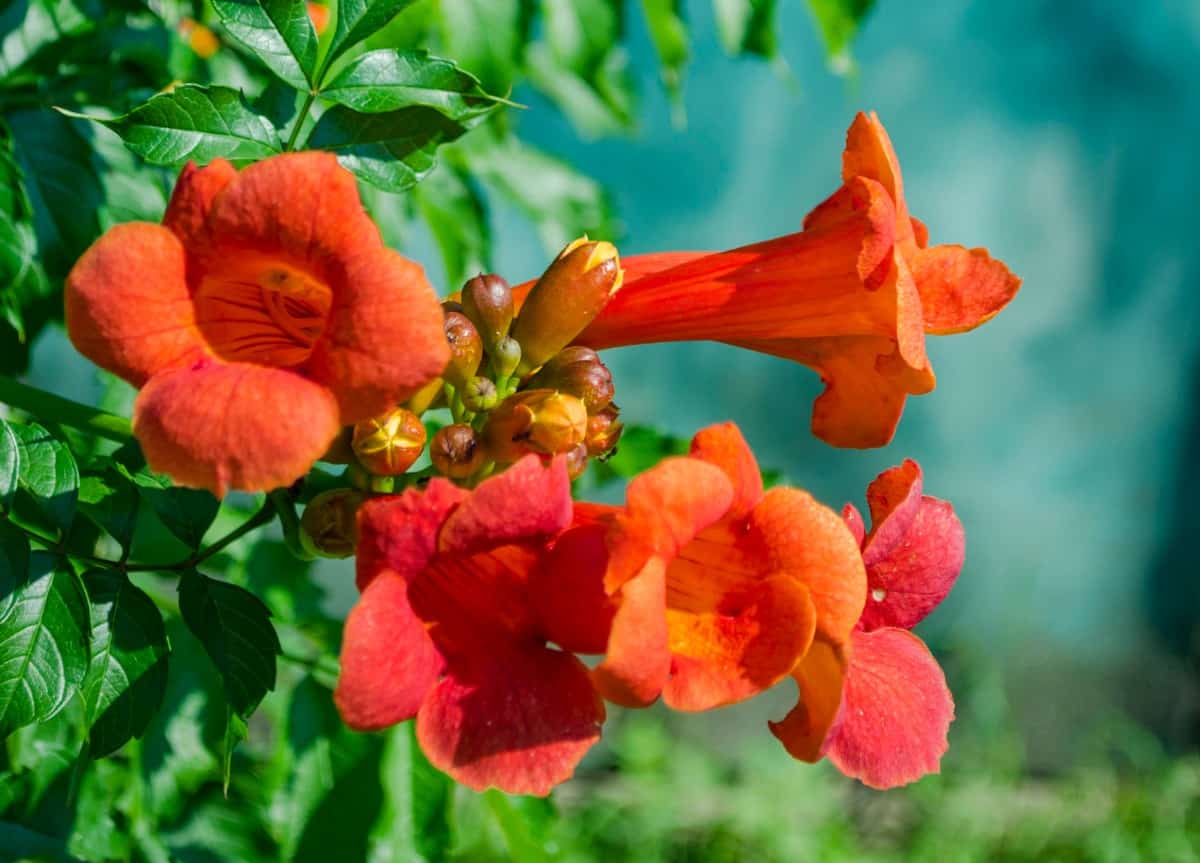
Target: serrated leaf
x=668, y=32
x=197, y=123
x=10, y=465
x=43, y=643
x=278, y=31
x=393, y=151
x=747, y=26
x=414, y=824
x=839, y=20
x=358, y=19
x=235, y=629
x=48, y=473
x=185, y=512
x=110, y=501
x=488, y=37
x=455, y=213
x=128, y=672
x=390, y=79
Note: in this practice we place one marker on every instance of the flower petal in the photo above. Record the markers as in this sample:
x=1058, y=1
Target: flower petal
x=896, y=711
x=808, y=540
x=869, y=153
x=224, y=426
x=389, y=662
x=399, y=533
x=638, y=660
x=961, y=288
x=894, y=498
x=567, y=588
x=806, y=728
x=527, y=502
x=518, y=719
x=739, y=647
x=192, y=199
x=854, y=521
x=127, y=304
x=918, y=572
x=723, y=445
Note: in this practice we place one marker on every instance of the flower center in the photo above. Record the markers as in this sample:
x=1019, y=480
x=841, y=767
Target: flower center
x=259, y=310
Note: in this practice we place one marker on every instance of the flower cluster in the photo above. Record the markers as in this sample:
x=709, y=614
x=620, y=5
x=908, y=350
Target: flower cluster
x=268, y=327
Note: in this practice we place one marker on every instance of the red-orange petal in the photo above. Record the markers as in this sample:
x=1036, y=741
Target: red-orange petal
x=574, y=610
x=192, y=199
x=527, y=502
x=638, y=659
x=809, y=541
x=961, y=288
x=127, y=304
x=400, y=533
x=740, y=647
x=820, y=676
x=389, y=663
x=519, y=719
x=893, y=498
x=724, y=446
x=223, y=426
x=896, y=711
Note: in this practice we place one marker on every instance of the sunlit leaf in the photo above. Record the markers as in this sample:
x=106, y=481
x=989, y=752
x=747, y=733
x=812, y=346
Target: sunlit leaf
x=487, y=37
x=525, y=824
x=839, y=21
x=195, y=123
x=10, y=465
x=455, y=213
x=664, y=18
x=278, y=31
x=389, y=79
x=109, y=499
x=48, y=473
x=128, y=672
x=358, y=19
x=28, y=26
x=43, y=639
x=393, y=151
x=186, y=512
x=747, y=26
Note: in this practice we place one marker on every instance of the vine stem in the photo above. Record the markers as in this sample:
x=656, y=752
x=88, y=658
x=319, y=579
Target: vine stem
x=48, y=406
x=301, y=119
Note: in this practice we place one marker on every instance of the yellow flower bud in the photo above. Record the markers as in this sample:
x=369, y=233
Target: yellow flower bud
x=388, y=445
x=541, y=421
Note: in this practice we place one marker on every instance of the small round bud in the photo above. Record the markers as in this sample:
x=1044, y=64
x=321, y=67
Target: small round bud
x=480, y=395
x=603, y=431
x=340, y=451
x=488, y=301
x=568, y=296
x=466, y=350
x=577, y=370
x=505, y=356
x=388, y=445
x=328, y=527
x=541, y=421
x=577, y=461
x=456, y=451
x=426, y=397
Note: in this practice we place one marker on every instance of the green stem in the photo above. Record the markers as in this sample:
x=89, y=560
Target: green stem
x=47, y=406
x=301, y=119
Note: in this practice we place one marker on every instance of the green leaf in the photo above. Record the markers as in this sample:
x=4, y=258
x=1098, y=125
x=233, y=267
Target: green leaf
x=43, y=643
x=639, y=449
x=194, y=123
x=278, y=31
x=525, y=823
x=10, y=465
x=747, y=26
x=358, y=19
x=128, y=673
x=31, y=25
x=393, y=151
x=414, y=824
x=488, y=37
x=454, y=211
x=22, y=279
x=48, y=473
x=186, y=512
x=389, y=79
x=29, y=845
x=839, y=20
x=668, y=32
x=110, y=501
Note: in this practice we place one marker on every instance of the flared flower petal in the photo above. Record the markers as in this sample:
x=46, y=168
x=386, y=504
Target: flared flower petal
x=128, y=309
x=233, y=425
x=961, y=288
x=820, y=677
x=389, y=663
x=574, y=610
x=400, y=533
x=896, y=711
x=518, y=719
x=192, y=200
x=723, y=445
x=637, y=661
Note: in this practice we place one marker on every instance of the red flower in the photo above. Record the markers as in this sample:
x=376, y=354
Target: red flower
x=702, y=589
x=263, y=315
x=852, y=296
x=447, y=630
x=879, y=708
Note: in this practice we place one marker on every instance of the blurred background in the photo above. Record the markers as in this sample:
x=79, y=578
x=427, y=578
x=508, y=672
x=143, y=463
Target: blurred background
x=1062, y=136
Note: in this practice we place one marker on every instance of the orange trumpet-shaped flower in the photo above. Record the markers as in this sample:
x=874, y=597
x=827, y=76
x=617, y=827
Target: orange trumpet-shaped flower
x=878, y=707
x=446, y=630
x=851, y=296
x=702, y=589
x=259, y=318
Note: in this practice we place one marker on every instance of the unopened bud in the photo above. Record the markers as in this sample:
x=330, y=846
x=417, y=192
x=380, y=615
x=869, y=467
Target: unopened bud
x=488, y=301
x=466, y=350
x=426, y=397
x=451, y=306
x=456, y=451
x=328, y=527
x=340, y=451
x=577, y=461
x=577, y=370
x=480, y=395
x=603, y=431
x=505, y=356
x=388, y=445
x=542, y=421
x=566, y=299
